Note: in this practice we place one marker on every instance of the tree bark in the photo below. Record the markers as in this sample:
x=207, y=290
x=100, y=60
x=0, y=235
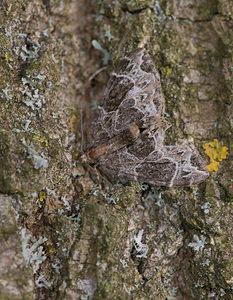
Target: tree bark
x=63, y=238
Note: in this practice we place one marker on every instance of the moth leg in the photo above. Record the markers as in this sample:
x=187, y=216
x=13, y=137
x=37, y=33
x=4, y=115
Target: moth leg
x=98, y=180
x=101, y=178
x=98, y=177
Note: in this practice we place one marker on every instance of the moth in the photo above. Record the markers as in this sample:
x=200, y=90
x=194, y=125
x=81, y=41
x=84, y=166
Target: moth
x=126, y=138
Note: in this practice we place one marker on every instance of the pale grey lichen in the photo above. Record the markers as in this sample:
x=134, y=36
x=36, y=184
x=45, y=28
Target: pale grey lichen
x=8, y=32
x=22, y=35
x=206, y=207
x=42, y=282
x=32, y=98
x=32, y=53
x=27, y=123
x=76, y=218
x=65, y=203
x=157, y=10
x=169, y=290
x=33, y=254
x=108, y=34
x=144, y=186
x=106, y=54
x=51, y=192
x=94, y=104
x=16, y=50
x=198, y=244
x=206, y=262
x=154, y=196
x=54, y=116
x=88, y=286
x=5, y=93
x=109, y=197
x=40, y=161
x=172, y=294
x=40, y=77
x=24, y=81
x=45, y=32
x=124, y=263
x=222, y=292
x=141, y=249
x=57, y=266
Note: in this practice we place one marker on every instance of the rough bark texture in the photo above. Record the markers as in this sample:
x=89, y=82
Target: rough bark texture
x=60, y=237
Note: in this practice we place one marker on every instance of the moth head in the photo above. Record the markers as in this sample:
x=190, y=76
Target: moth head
x=132, y=133
x=165, y=125
x=85, y=159
x=155, y=122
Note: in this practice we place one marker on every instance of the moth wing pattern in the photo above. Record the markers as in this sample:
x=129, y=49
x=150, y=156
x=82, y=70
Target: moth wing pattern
x=134, y=97
x=165, y=166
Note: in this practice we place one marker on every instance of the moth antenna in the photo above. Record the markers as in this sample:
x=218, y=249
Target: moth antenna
x=98, y=179
x=96, y=73
x=82, y=132
x=124, y=39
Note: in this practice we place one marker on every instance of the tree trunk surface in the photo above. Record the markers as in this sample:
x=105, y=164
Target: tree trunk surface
x=61, y=236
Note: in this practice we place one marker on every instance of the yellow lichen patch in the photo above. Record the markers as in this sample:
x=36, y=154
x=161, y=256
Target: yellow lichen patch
x=6, y=58
x=43, y=141
x=168, y=71
x=215, y=152
x=52, y=251
x=37, y=139
x=213, y=166
x=42, y=196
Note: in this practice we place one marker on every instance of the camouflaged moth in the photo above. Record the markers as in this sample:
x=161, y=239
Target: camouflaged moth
x=126, y=139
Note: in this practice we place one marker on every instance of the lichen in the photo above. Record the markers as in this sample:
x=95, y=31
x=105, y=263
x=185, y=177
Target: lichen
x=198, y=244
x=167, y=70
x=106, y=54
x=33, y=254
x=42, y=282
x=215, y=152
x=5, y=93
x=140, y=247
x=42, y=196
x=40, y=161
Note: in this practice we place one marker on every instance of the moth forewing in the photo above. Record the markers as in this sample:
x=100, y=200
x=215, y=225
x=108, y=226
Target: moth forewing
x=119, y=141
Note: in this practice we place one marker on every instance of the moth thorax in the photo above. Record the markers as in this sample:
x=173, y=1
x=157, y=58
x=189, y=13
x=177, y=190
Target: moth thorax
x=85, y=159
x=132, y=133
